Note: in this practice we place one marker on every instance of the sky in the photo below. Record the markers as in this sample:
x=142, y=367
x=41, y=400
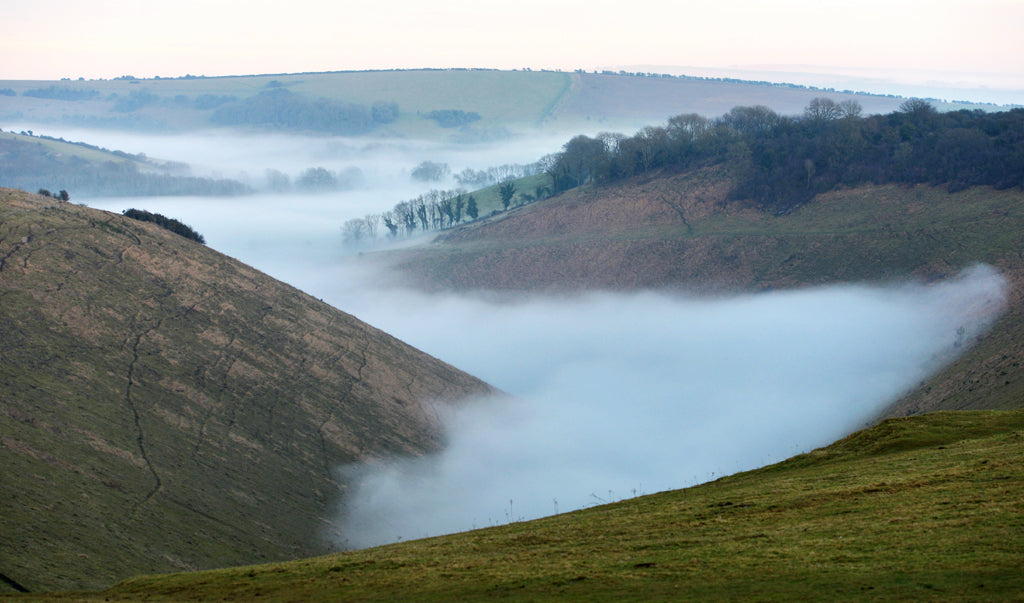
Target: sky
x=973, y=42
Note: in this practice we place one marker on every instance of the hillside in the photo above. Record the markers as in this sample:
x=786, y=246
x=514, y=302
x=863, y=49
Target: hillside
x=489, y=103
x=32, y=163
x=679, y=230
x=919, y=509
x=164, y=407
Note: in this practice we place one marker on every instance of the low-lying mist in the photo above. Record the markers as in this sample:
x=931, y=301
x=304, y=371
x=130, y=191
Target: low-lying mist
x=384, y=164
x=610, y=395
x=617, y=395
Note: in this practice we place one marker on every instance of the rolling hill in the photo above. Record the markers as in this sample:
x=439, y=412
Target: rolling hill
x=494, y=103
x=30, y=162
x=164, y=407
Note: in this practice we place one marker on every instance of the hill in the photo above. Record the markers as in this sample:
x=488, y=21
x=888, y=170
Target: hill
x=923, y=508
x=451, y=104
x=31, y=162
x=167, y=408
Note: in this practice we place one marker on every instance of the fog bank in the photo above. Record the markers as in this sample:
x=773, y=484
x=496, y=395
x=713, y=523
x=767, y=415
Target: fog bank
x=611, y=394
x=618, y=395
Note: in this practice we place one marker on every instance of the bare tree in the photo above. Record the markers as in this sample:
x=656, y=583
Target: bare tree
x=372, y=224
x=687, y=127
x=353, y=231
x=851, y=108
x=823, y=109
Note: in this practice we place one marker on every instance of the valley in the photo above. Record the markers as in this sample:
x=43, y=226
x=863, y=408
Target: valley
x=174, y=407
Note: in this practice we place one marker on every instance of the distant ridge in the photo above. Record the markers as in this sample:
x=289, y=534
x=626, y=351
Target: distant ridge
x=508, y=102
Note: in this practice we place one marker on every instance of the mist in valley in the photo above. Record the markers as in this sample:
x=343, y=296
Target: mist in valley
x=610, y=395
x=614, y=396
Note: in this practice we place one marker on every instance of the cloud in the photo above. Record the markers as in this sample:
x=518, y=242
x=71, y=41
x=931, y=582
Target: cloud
x=616, y=395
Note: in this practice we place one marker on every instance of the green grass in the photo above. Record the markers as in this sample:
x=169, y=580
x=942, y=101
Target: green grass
x=488, y=199
x=923, y=508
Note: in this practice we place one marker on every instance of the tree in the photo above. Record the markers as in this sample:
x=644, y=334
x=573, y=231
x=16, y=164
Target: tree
x=652, y=142
x=63, y=195
x=507, y=190
x=429, y=171
x=471, y=209
x=752, y=120
x=823, y=109
x=372, y=224
x=317, y=179
x=353, y=230
x=917, y=107
x=384, y=112
x=389, y=223
x=579, y=160
x=851, y=108
x=687, y=127
x=277, y=181
x=460, y=204
x=421, y=213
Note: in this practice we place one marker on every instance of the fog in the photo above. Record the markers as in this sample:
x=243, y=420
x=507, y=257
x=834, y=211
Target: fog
x=609, y=395
x=619, y=395
x=386, y=164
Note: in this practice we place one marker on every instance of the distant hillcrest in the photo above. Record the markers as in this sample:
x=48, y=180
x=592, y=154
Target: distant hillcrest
x=451, y=104
x=164, y=407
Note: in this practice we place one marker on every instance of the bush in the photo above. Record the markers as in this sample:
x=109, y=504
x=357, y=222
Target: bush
x=59, y=93
x=164, y=222
x=453, y=118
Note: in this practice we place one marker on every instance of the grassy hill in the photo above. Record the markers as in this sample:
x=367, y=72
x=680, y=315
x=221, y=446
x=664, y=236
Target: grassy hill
x=32, y=163
x=164, y=407
x=505, y=101
x=924, y=508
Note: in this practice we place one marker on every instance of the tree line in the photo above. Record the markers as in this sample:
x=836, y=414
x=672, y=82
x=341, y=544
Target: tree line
x=279, y=108
x=782, y=161
x=435, y=210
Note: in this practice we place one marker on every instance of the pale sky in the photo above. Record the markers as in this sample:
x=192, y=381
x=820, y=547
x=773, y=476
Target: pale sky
x=50, y=39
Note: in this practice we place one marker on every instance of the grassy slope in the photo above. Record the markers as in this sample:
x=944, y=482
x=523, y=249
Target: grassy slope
x=164, y=407
x=921, y=508
x=67, y=150
x=677, y=230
